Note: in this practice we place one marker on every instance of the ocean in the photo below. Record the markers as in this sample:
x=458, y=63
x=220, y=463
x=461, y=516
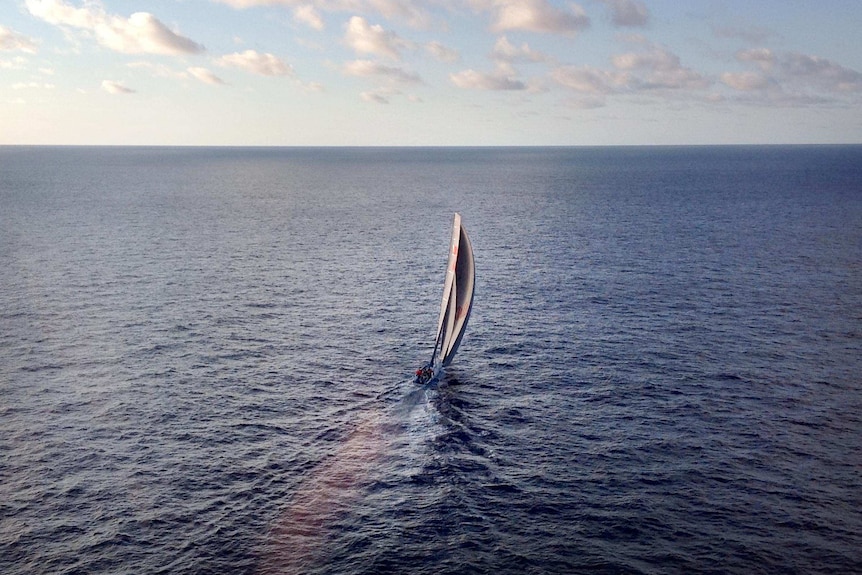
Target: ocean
x=206, y=359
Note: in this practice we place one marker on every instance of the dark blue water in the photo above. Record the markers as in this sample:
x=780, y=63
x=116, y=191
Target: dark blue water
x=205, y=361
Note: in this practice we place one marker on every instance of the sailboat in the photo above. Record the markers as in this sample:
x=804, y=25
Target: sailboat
x=455, y=307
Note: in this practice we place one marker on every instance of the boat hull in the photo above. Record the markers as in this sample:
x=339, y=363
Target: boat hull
x=428, y=375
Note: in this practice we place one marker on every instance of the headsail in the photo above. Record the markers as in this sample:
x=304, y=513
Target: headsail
x=449, y=282
x=457, y=295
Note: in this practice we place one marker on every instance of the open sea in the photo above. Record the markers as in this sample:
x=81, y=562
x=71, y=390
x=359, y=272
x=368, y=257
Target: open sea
x=206, y=359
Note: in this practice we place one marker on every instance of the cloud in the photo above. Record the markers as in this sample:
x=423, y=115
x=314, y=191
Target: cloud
x=535, y=16
x=115, y=88
x=141, y=33
x=32, y=85
x=312, y=86
x=308, y=15
x=505, y=51
x=821, y=71
x=589, y=80
x=11, y=41
x=256, y=63
x=385, y=95
x=763, y=57
x=159, y=70
x=654, y=59
x=656, y=68
x=243, y=4
x=16, y=63
x=473, y=80
x=745, y=81
x=307, y=11
x=367, y=68
x=380, y=96
x=679, y=78
x=205, y=76
x=405, y=10
x=628, y=13
x=442, y=53
x=375, y=97
x=794, y=73
x=364, y=38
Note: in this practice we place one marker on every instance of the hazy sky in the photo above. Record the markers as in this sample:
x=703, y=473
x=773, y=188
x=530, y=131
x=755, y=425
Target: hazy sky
x=439, y=72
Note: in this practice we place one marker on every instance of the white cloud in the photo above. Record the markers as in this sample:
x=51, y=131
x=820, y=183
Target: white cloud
x=536, y=16
x=367, y=68
x=763, y=57
x=16, y=63
x=630, y=13
x=405, y=10
x=473, y=80
x=589, y=80
x=141, y=33
x=32, y=85
x=256, y=63
x=505, y=51
x=658, y=69
x=11, y=41
x=411, y=11
x=745, y=81
x=655, y=59
x=821, y=72
x=243, y=4
x=205, y=75
x=380, y=96
x=384, y=96
x=312, y=86
x=654, y=70
x=374, y=97
x=144, y=33
x=364, y=38
x=115, y=88
x=308, y=15
x=672, y=79
x=442, y=53
x=58, y=12
x=793, y=78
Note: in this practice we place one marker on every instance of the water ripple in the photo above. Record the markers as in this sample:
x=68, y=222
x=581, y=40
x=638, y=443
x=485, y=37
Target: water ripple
x=204, y=362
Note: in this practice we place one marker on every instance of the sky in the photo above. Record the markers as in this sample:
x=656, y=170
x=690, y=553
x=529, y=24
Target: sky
x=430, y=73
